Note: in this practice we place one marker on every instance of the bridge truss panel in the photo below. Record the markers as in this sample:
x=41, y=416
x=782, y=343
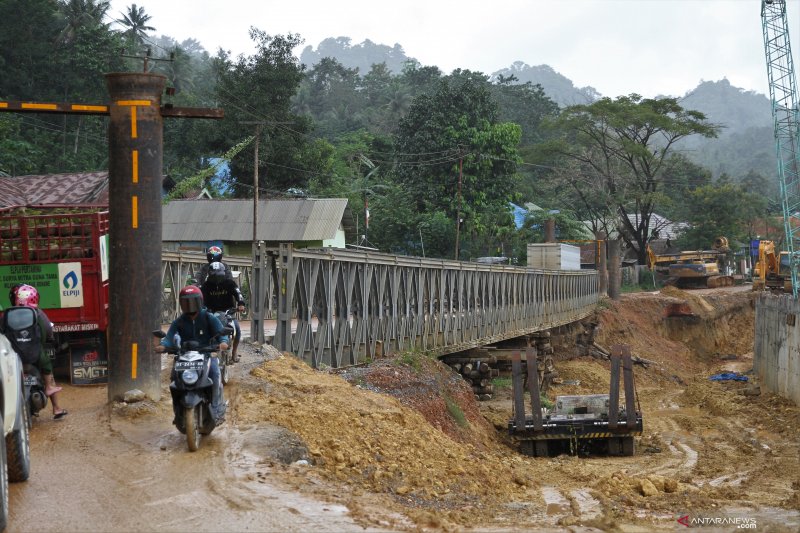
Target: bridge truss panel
x=340, y=307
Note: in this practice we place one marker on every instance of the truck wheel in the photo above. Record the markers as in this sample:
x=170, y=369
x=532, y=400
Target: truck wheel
x=628, y=446
x=18, y=446
x=3, y=483
x=191, y=417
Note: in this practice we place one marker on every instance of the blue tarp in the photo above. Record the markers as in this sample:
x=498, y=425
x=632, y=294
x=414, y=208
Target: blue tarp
x=728, y=376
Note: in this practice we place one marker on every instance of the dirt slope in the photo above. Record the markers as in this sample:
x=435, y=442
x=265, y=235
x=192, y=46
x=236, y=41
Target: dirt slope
x=409, y=430
x=401, y=445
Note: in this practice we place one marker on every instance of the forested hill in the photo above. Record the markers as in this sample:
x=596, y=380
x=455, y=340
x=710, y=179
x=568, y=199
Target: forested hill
x=361, y=56
x=745, y=143
x=558, y=87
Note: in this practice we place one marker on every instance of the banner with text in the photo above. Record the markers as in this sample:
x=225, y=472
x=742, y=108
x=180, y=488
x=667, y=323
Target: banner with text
x=59, y=284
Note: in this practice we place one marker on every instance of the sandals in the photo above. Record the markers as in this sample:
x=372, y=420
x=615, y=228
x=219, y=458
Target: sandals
x=61, y=414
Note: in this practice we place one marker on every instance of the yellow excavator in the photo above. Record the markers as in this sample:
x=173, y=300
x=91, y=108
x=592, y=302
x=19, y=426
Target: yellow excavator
x=772, y=270
x=696, y=269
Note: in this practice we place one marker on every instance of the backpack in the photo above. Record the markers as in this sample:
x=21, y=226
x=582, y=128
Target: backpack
x=21, y=327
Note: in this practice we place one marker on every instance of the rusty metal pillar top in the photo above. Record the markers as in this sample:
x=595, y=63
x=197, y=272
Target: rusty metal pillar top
x=135, y=85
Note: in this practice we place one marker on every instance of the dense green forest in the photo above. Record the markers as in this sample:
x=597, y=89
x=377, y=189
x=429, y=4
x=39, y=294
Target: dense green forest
x=421, y=148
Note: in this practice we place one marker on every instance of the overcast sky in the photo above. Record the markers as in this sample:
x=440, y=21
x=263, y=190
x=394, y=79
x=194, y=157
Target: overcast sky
x=650, y=47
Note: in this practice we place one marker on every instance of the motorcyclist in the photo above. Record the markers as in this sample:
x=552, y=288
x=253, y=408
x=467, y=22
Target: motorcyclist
x=214, y=255
x=27, y=295
x=197, y=324
x=220, y=294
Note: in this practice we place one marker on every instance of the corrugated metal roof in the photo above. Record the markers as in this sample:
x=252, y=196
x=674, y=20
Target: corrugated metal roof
x=232, y=220
x=48, y=189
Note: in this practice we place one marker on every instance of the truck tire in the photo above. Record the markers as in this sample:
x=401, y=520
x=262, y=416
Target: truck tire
x=18, y=447
x=3, y=483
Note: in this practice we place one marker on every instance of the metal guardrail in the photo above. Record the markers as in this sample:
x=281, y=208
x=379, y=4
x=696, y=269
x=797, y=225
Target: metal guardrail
x=178, y=267
x=341, y=307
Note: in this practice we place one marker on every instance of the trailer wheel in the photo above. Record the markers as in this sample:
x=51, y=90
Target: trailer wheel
x=628, y=446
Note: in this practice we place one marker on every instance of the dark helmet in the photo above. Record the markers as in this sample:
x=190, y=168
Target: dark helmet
x=214, y=254
x=216, y=272
x=191, y=299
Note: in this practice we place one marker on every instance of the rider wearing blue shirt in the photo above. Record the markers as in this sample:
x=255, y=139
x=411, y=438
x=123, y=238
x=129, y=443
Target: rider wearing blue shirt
x=197, y=324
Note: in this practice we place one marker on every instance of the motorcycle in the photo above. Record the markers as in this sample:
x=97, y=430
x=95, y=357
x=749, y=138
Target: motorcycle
x=192, y=388
x=20, y=324
x=228, y=320
x=34, y=389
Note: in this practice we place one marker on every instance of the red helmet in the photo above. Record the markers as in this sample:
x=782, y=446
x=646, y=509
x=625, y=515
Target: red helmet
x=26, y=295
x=191, y=299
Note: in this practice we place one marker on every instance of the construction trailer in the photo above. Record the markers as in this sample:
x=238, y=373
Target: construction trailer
x=579, y=424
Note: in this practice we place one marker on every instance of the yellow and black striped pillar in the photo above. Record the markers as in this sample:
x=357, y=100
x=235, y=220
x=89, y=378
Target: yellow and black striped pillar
x=135, y=146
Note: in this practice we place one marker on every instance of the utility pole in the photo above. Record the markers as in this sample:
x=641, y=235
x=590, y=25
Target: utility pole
x=257, y=280
x=135, y=170
x=458, y=210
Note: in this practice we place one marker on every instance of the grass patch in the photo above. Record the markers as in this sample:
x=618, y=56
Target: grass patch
x=547, y=403
x=456, y=413
x=501, y=383
x=412, y=360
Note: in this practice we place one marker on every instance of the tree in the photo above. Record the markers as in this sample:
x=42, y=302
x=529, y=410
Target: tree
x=720, y=209
x=80, y=13
x=452, y=135
x=625, y=143
x=259, y=89
x=135, y=20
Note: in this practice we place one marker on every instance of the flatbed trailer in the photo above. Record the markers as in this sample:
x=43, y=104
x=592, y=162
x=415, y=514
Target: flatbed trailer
x=585, y=424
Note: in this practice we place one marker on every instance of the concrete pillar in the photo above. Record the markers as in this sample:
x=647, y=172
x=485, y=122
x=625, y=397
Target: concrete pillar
x=135, y=136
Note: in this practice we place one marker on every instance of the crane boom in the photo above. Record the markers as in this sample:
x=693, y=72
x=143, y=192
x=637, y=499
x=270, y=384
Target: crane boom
x=783, y=94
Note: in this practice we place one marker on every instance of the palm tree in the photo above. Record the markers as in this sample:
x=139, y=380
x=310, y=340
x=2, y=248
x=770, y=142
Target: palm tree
x=136, y=23
x=80, y=13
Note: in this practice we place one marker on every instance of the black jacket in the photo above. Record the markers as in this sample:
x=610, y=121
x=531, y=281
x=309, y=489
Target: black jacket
x=221, y=296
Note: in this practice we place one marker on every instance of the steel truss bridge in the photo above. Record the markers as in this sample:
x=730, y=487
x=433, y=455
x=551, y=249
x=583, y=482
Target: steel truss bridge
x=335, y=307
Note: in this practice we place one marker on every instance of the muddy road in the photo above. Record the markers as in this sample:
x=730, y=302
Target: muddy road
x=124, y=468
x=401, y=445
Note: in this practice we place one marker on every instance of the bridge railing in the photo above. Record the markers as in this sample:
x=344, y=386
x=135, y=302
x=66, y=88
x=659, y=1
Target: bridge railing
x=341, y=307
x=178, y=267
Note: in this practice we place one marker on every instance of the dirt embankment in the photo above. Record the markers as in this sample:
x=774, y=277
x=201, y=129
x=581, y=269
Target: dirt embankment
x=402, y=445
x=408, y=431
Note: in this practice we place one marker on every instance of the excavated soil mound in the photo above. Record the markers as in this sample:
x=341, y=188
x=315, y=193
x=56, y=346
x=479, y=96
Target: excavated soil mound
x=428, y=447
x=408, y=430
